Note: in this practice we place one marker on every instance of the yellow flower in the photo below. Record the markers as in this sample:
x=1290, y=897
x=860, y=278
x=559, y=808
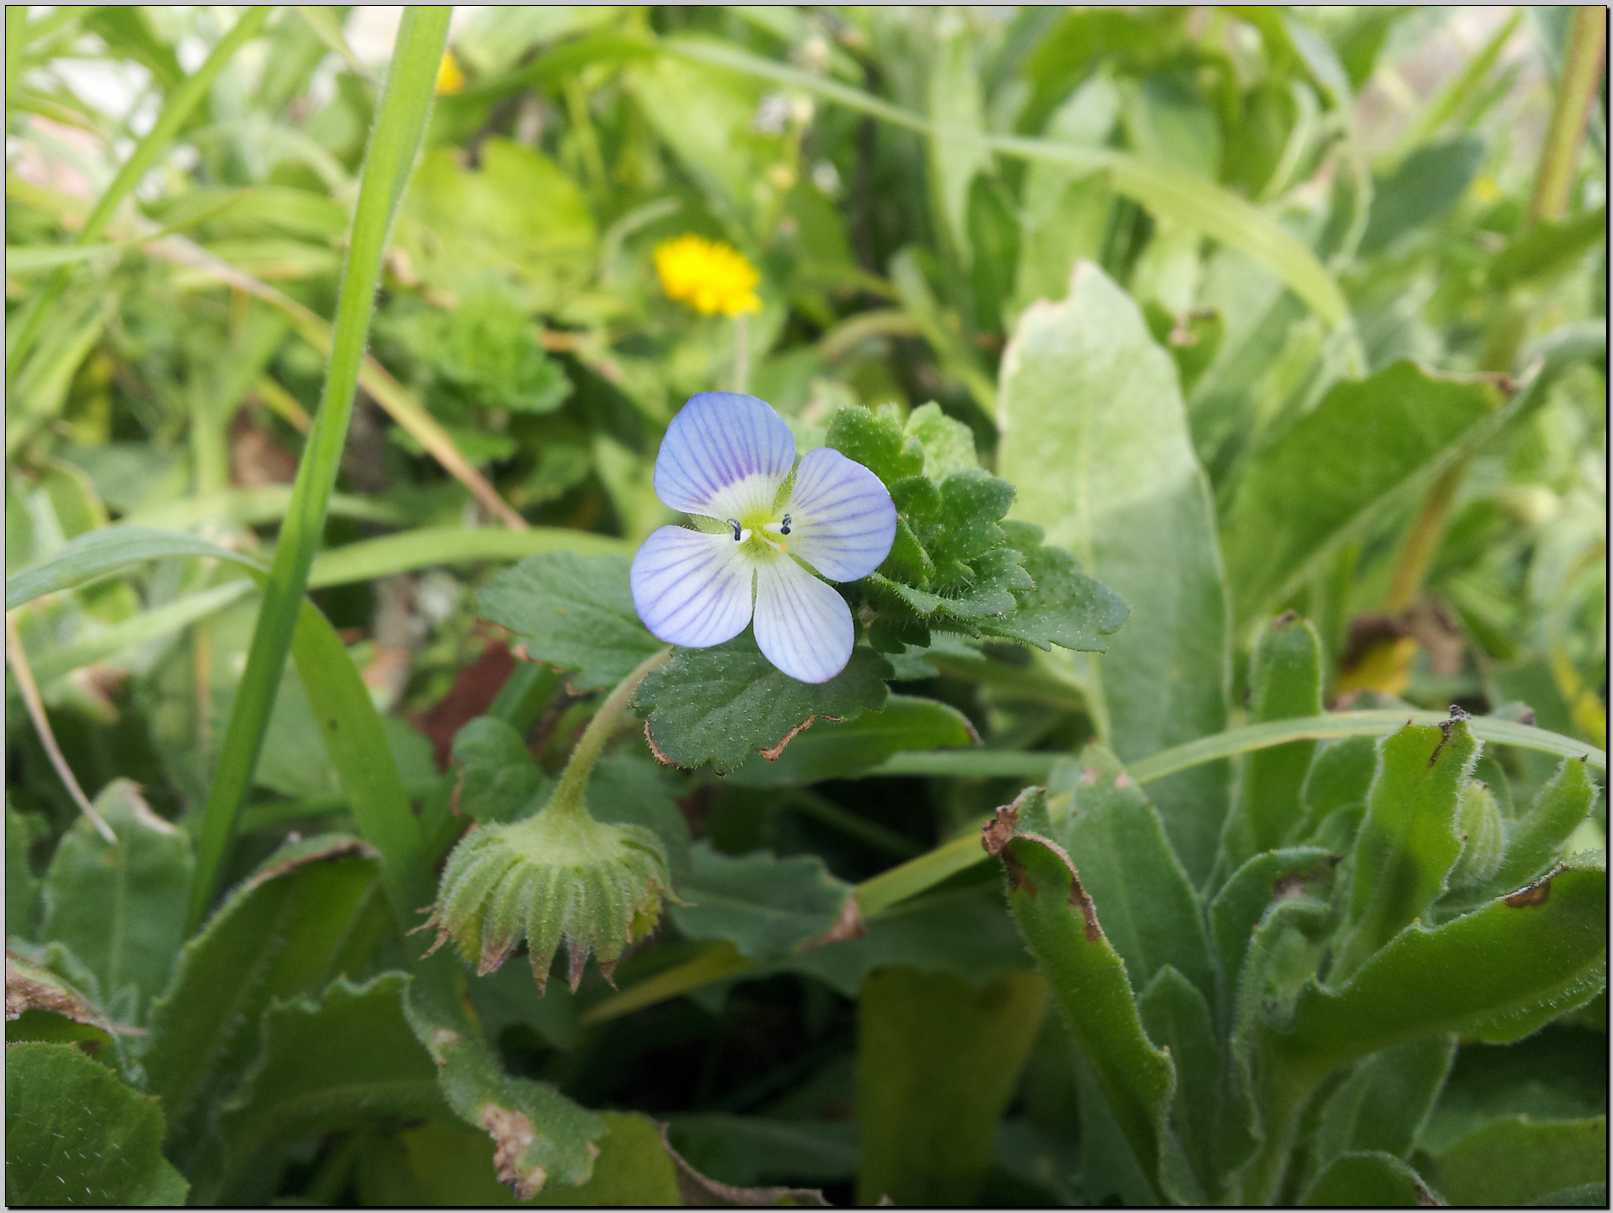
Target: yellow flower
x=711, y=277
x=450, y=76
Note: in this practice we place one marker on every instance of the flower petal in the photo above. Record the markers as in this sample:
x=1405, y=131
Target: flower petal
x=724, y=455
x=691, y=588
x=803, y=625
x=842, y=519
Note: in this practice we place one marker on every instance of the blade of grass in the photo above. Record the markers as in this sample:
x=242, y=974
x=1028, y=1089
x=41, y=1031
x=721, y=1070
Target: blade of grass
x=399, y=127
x=147, y=153
x=428, y=547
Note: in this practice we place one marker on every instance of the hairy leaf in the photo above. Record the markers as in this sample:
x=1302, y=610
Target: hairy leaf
x=766, y=906
x=835, y=750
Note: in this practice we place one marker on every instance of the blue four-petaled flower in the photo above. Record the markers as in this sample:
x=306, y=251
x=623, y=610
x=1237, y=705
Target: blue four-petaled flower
x=776, y=529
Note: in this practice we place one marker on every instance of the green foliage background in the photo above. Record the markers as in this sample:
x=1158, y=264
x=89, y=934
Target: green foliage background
x=1240, y=377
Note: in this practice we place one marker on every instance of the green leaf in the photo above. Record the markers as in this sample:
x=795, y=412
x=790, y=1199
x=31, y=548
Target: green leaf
x=121, y=909
x=284, y=932
x=1494, y=975
x=1339, y=780
x=957, y=150
x=747, y=1150
x=1534, y=840
x=1249, y=892
x=1088, y=978
x=498, y=778
x=1177, y=1017
x=344, y=1062
x=1151, y=914
x=1368, y=1179
x=1548, y=248
x=876, y=439
x=1088, y=400
x=1285, y=678
x=836, y=750
x=22, y=884
x=105, y=551
x=1385, y=1101
x=1518, y=1160
x=42, y=1005
x=76, y=1135
x=538, y=1136
x=1064, y=607
x=1333, y=471
x=1421, y=188
x=572, y=612
x=937, y=1061
x=1409, y=841
x=766, y=906
x=721, y=705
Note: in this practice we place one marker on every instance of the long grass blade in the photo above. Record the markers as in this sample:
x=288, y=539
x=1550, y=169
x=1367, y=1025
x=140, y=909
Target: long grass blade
x=399, y=127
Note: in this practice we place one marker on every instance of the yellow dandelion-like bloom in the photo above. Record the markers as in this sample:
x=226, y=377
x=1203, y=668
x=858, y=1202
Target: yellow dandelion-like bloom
x=709, y=276
x=450, y=76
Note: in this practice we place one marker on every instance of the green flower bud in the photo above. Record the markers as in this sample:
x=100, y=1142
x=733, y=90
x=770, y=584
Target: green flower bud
x=557, y=877
x=1478, y=819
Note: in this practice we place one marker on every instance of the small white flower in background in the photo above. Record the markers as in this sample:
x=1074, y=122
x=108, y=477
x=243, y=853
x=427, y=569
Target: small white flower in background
x=729, y=458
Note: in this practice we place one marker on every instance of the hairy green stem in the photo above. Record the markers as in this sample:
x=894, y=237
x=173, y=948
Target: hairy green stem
x=399, y=127
x=568, y=793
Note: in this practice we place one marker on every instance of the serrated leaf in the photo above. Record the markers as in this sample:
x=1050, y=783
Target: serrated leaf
x=572, y=612
x=723, y=704
x=1063, y=606
x=121, y=908
x=836, y=750
x=76, y=1135
x=1152, y=915
x=1095, y=438
x=1060, y=923
x=1495, y=975
x=498, y=778
x=1369, y=1180
x=948, y=444
x=1409, y=841
x=878, y=442
x=766, y=906
x=937, y=1061
x=1285, y=678
x=342, y=1062
x=1519, y=1160
x=284, y=932
x=1336, y=468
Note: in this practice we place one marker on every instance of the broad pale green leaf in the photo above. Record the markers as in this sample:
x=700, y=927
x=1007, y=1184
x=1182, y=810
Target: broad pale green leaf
x=1177, y=1016
x=1534, y=841
x=535, y=1135
x=766, y=906
x=76, y=1135
x=574, y=613
x=498, y=778
x=1060, y=923
x=342, y=1062
x=1151, y=914
x=835, y=750
x=1519, y=1160
x=121, y=909
x=1494, y=975
x=286, y=931
x=937, y=1061
x=1285, y=679
x=1095, y=438
x=1325, y=478
x=1368, y=1179
x=1410, y=839
x=1385, y=1101
x=723, y=704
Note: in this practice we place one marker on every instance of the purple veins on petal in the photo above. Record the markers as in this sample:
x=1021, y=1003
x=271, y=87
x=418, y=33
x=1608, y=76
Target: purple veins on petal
x=724, y=453
x=691, y=588
x=842, y=518
x=803, y=625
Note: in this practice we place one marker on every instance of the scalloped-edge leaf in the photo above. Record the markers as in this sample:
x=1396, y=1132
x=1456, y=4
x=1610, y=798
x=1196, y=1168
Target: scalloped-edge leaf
x=766, y=906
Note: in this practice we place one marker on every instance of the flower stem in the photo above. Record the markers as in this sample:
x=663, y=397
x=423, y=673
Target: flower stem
x=568, y=795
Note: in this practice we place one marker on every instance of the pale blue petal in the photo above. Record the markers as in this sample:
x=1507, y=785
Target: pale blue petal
x=691, y=588
x=803, y=625
x=842, y=519
x=724, y=455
